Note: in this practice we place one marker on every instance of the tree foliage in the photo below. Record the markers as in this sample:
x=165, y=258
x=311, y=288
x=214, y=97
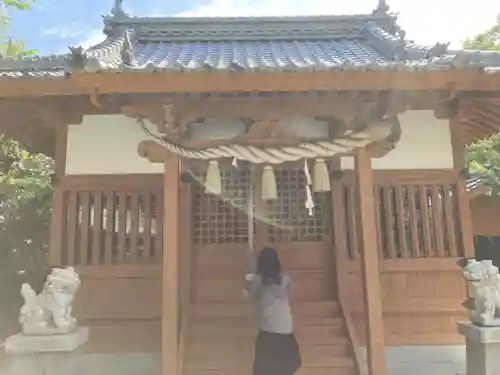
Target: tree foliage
x=9, y=47
x=25, y=181
x=488, y=40
x=25, y=204
x=483, y=157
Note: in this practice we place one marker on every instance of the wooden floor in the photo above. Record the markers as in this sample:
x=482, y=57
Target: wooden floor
x=222, y=329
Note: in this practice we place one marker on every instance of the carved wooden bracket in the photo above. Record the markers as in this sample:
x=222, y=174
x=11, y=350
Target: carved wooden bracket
x=161, y=115
x=267, y=128
x=173, y=116
x=445, y=105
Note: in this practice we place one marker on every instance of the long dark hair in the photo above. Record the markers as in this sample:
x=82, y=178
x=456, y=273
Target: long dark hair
x=269, y=266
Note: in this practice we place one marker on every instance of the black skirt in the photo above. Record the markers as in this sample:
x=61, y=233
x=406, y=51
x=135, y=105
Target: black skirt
x=276, y=354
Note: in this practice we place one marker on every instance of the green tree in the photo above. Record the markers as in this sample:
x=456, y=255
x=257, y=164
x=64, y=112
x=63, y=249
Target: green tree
x=25, y=201
x=25, y=180
x=25, y=205
x=483, y=157
x=488, y=40
x=9, y=47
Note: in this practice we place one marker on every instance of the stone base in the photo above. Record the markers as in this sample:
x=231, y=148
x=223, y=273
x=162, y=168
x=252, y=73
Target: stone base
x=62, y=363
x=27, y=344
x=482, y=348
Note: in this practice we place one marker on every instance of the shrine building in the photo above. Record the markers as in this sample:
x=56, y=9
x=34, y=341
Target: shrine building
x=183, y=144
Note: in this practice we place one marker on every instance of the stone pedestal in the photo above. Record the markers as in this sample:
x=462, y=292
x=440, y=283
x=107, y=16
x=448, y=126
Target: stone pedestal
x=40, y=355
x=482, y=348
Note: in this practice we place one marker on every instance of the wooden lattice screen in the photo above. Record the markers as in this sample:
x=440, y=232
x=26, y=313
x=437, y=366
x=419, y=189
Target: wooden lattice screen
x=222, y=219
x=414, y=221
x=289, y=219
x=111, y=227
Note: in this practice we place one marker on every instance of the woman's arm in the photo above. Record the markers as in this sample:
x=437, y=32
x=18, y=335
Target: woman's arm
x=253, y=285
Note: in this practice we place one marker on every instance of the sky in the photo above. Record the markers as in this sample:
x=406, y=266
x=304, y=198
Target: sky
x=54, y=25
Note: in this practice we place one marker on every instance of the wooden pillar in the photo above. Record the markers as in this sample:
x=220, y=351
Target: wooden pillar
x=260, y=214
x=375, y=341
x=57, y=226
x=186, y=201
x=458, y=146
x=170, y=269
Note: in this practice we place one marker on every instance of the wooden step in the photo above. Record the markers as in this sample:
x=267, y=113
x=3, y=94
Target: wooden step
x=327, y=350
x=242, y=361
x=236, y=364
x=302, y=371
x=312, y=353
x=300, y=309
x=220, y=329
x=201, y=351
x=319, y=371
x=330, y=362
x=245, y=371
x=249, y=323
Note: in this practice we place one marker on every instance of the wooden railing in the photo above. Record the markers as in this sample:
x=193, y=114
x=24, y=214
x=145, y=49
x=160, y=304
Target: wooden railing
x=414, y=220
x=341, y=273
x=107, y=225
x=183, y=339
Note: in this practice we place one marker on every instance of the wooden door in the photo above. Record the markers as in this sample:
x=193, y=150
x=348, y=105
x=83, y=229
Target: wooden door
x=303, y=241
x=220, y=239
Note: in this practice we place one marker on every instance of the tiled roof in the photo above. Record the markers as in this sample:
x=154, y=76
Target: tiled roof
x=359, y=42
x=256, y=55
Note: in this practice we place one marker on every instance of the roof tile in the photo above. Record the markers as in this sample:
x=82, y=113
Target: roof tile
x=361, y=42
x=255, y=55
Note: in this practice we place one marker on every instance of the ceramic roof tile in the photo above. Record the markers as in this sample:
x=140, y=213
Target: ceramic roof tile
x=360, y=42
x=255, y=55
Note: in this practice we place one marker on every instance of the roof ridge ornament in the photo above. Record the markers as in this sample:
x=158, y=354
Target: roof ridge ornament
x=127, y=49
x=382, y=9
x=118, y=11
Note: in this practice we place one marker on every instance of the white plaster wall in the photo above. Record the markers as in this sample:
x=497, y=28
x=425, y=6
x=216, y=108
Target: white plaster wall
x=425, y=144
x=107, y=144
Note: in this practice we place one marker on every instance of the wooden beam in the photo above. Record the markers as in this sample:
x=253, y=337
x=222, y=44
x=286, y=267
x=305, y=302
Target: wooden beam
x=185, y=110
x=375, y=340
x=458, y=146
x=170, y=269
x=177, y=82
x=183, y=82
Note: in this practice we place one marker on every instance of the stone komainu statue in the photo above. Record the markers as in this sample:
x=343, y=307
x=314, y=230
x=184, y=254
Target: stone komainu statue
x=484, y=280
x=50, y=312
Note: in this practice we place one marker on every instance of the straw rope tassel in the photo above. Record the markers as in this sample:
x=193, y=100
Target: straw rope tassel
x=309, y=201
x=213, y=183
x=309, y=204
x=307, y=173
x=269, y=189
x=321, y=177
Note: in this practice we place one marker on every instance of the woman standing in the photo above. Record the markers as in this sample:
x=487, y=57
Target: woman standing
x=276, y=349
